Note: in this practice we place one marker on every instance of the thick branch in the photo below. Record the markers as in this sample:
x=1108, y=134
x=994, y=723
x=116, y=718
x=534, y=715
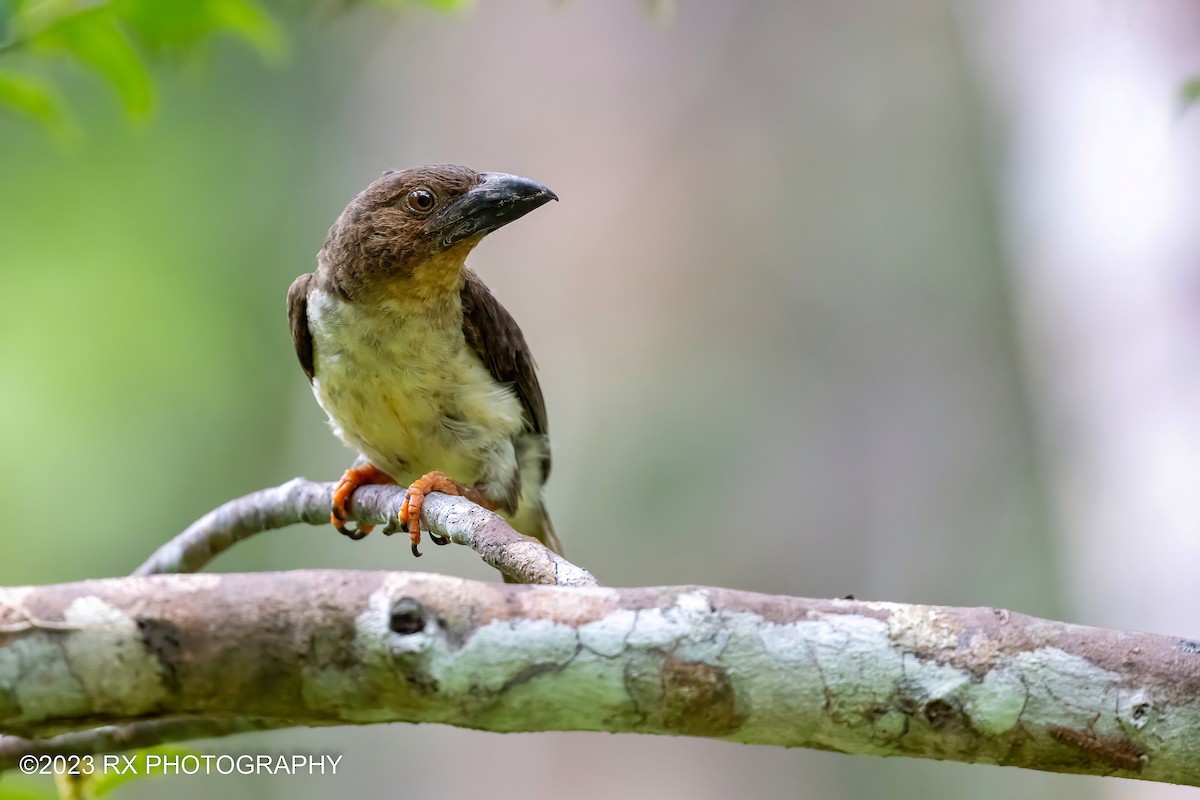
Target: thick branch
x=326, y=647
x=299, y=500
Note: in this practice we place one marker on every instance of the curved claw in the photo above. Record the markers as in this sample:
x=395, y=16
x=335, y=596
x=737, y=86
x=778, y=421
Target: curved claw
x=358, y=532
x=351, y=480
x=410, y=509
x=402, y=517
x=410, y=519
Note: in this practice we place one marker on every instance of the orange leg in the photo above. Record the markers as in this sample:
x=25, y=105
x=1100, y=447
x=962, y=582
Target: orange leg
x=410, y=510
x=351, y=480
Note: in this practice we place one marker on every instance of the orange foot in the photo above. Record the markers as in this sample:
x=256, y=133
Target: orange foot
x=410, y=510
x=351, y=480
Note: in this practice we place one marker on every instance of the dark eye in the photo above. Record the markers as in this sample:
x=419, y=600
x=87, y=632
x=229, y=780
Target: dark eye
x=421, y=200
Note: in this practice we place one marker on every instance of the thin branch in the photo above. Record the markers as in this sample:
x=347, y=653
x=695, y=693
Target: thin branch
x=327, y=647
x=130, y=736
x=299, y=500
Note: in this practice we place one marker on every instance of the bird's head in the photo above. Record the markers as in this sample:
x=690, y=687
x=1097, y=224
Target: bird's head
x=417, y=225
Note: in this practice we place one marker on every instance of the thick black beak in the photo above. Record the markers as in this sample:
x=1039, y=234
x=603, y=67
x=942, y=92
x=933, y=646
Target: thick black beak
x=497, y=200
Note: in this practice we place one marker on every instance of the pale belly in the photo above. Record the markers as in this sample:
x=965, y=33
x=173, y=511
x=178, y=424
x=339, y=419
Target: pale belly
x=412, y=398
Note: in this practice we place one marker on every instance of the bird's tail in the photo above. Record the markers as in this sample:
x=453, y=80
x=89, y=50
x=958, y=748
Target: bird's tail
x=546, y=535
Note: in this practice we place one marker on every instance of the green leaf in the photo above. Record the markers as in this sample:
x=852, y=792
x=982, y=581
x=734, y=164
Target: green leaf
x=98, y=41
x=442, y=6
x=252, y=23
x=37, y=99
x=177, y=28
x=662, y=11
x=169, y=28
x=447, y=6
x=1189, y=93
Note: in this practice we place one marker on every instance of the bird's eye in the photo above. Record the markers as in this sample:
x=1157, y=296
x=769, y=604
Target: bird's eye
x=421, y=200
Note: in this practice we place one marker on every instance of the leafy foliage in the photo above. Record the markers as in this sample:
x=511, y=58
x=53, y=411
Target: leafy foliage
x=117, y=40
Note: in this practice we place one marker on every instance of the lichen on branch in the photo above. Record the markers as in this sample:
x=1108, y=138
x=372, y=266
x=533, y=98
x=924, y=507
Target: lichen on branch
x=339, y=647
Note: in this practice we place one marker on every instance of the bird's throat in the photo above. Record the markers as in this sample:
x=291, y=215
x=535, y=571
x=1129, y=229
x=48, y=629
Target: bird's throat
x=433, y=288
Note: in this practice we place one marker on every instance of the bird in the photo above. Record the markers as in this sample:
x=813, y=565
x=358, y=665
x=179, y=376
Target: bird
x=417, y=365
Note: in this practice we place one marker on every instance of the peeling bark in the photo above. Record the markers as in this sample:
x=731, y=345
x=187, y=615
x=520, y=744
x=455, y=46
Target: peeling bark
x=330, y=647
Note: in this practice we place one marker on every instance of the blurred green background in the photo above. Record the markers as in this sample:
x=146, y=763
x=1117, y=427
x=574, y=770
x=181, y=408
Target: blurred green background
x=774, y=317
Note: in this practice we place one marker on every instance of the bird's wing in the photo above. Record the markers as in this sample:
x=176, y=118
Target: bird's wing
x=495, y=337
x=298, y=320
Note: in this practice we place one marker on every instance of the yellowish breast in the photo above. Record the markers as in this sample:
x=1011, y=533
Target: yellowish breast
x=409, y=394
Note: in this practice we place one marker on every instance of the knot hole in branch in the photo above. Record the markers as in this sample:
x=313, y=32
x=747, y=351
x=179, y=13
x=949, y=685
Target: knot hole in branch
x=407, y=617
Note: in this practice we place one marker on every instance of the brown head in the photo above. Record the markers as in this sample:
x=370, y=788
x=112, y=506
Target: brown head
x=415, y=227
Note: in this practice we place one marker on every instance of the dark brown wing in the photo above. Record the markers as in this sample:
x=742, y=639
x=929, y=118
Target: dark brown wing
x=298, y=319
x=494, y=336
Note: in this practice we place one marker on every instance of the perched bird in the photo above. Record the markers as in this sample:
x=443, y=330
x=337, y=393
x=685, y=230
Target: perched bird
x=419, y=368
